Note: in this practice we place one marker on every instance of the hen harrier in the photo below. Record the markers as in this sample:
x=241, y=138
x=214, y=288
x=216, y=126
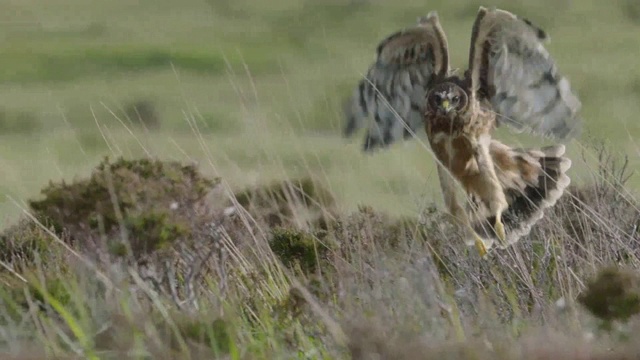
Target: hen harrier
x=511, y=79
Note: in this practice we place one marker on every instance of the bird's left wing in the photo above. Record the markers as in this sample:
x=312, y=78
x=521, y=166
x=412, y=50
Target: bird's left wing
x=510, y=68
x=392, y=92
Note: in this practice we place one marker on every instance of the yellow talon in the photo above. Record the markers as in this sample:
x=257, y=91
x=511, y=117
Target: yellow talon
x=482, y=248
x=499, y=228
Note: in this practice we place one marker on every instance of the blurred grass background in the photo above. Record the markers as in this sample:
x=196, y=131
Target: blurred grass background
x=253, y=90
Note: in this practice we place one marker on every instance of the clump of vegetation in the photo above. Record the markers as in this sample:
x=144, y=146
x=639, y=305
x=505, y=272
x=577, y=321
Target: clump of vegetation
x=20, y=243
x=297, y=248
x=35, y=289
x=143, y=205
x=302, y=203
x=613, y=295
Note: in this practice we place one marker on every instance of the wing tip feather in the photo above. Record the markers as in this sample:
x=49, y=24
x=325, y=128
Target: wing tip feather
x=564, y=128
x=431, y=18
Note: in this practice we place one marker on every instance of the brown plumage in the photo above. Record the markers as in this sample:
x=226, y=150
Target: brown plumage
x=511, y=79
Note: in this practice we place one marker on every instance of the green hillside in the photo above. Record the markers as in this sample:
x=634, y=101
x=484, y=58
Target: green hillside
x=264, y=83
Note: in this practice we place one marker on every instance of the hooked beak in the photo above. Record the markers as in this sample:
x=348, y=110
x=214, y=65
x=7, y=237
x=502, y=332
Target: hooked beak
x=446, y=106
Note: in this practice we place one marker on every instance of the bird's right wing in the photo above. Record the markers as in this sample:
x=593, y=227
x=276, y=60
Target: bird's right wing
x=510, y=68
x=390, y=98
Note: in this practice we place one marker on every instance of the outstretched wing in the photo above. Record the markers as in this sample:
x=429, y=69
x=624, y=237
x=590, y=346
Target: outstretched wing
x=510, y=68
x=392, y=93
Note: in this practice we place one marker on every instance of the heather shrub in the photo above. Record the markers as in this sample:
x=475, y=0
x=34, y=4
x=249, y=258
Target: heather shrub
x=129, y=205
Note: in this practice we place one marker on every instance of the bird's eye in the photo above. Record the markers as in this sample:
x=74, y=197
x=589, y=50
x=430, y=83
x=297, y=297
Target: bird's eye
x=437, y=98
x=456, y=98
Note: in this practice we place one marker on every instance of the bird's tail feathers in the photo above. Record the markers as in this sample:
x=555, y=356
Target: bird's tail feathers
x=529, y=193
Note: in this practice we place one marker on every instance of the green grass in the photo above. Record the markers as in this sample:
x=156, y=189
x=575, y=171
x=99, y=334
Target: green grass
x=265, y=84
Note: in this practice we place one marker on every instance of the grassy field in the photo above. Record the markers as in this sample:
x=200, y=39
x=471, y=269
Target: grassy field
x=264, y=84
x=253, y=92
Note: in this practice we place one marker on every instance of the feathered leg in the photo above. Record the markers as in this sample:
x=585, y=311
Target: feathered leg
x=457, y=211
x=488, y=187
x=532, y=181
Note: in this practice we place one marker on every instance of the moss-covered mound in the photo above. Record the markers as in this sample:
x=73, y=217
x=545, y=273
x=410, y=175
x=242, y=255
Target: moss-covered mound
x=613, y=294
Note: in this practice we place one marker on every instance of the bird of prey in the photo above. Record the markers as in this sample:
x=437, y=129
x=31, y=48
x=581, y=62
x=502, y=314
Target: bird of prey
x=511, y=79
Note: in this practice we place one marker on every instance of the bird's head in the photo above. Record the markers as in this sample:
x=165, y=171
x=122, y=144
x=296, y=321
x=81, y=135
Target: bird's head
x=446, y=99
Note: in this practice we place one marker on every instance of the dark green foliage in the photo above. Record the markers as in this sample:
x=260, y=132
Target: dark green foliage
x=158, y=228
x=15, y=294
x=157, y=203
x=210, y=333
x=54, y=287
x=295, y=247
x=614, y=294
